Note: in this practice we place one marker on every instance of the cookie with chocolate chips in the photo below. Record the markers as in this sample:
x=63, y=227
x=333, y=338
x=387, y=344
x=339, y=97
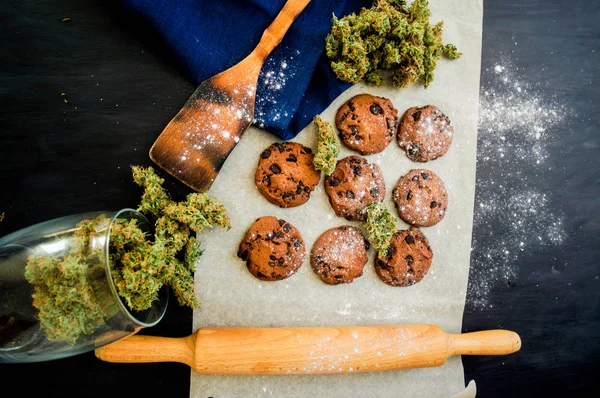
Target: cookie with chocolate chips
x=421, y=198
x=354, y=184
x=407, y=260
x=272, y=248
x=285, y=175
x=339, y=255
x=425, y=133
x=367, y=123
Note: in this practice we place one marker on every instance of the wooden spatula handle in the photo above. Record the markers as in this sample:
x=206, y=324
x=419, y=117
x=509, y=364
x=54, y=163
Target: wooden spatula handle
x=310, y=350
x=274, y=33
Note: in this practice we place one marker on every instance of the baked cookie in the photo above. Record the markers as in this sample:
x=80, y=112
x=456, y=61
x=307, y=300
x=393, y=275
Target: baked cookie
x=407, y=260
x=339, y=255
x=285, y=175
x=421, y=198
x=425, y=133
x=367, y=123
x=354, y=184
x=273, y=249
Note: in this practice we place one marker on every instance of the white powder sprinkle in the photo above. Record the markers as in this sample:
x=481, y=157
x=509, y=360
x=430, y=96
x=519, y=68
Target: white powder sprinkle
x=273, y=79
x=515, y=127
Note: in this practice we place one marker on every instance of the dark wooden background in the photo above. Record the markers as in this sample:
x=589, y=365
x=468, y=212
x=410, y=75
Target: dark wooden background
x=122, y=87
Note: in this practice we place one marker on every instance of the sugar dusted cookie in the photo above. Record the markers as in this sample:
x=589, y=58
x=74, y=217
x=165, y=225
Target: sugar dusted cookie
x=367, y=123
x=425, y=133
x=407, y=260
x=354, y=184
x=421, y=198
x=285, y=175
x=272, y=248
x=339, y=255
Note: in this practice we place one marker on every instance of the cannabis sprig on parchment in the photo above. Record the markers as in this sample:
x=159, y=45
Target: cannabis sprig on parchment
x=380, y=226
x=328, y=146
x=66, y=291
x=389, y=36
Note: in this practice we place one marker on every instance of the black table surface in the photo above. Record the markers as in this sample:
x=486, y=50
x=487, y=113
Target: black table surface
x=122, y=87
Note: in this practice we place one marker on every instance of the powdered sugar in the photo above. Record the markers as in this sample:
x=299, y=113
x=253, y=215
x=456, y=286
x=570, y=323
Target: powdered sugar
x=362, y=347
x=512, y=213
x=219, y=118
x=273, y=79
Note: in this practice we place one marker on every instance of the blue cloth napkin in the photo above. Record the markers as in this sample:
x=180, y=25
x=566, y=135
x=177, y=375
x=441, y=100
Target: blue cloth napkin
x=208, y=36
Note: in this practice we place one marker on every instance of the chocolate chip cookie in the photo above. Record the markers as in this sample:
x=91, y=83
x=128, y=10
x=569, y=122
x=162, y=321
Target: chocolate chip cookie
x=421, y=198
x=339, y=255
x=285, y=175
x=367, y=123
x=354, y=184
x=273, y=249
x=407, y=260
x=425, y=133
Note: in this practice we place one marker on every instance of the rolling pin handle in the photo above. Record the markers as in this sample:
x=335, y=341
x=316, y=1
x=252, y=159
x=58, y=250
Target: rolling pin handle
x=487, y=342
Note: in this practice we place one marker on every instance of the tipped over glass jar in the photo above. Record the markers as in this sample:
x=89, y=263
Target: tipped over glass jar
x=59, y=286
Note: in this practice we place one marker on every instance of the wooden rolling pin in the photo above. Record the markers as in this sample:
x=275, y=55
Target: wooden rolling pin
x=310, y=350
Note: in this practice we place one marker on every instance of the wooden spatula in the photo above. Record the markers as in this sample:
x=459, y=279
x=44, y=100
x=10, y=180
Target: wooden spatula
x=198, y=140
x=312, y=350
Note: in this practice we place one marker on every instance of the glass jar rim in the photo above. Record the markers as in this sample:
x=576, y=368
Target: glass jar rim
x=109, y=277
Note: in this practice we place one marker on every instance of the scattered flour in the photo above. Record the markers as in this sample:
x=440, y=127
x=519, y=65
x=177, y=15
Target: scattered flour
x=512, y=211
x=273, y=78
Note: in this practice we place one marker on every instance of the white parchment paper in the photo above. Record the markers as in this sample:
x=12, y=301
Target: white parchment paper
x=231, y=296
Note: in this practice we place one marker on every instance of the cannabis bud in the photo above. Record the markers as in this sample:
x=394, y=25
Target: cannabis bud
x=70, y=290
x=328, y=146
x=380, y=227
x=171, y=258
x=388, y=36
